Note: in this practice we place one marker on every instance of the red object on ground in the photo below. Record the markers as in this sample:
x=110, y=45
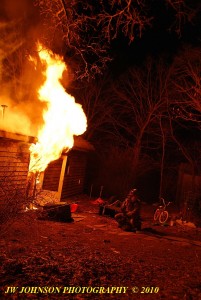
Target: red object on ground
x=73, y=207
x=98, y=201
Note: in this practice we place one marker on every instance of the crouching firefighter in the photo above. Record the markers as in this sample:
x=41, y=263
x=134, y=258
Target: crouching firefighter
x=129, y=218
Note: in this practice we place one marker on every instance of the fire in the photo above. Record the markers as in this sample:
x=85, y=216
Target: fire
x=63, y=118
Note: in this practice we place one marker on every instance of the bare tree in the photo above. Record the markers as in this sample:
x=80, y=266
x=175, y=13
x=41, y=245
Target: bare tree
x=184, y=12
x=88, y=27
x=142, y=96
x=131, y=114
x=187, y=86
x=185, y=108
x=142, y=113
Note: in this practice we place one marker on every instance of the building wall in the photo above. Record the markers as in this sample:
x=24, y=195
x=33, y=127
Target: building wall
x=73, y=183
x=66, y=176
x=14, y=164
x=52, y=176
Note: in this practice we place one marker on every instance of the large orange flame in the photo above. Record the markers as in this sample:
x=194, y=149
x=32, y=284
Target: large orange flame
x=63, y=118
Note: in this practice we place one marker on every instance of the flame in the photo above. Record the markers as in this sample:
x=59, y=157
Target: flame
x=63, y=118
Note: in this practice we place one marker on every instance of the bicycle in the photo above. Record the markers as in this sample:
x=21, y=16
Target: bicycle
x=161, y=214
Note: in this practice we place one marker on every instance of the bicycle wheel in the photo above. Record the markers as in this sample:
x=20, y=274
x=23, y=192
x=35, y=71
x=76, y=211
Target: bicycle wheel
x=163, y=217
x=156, y=214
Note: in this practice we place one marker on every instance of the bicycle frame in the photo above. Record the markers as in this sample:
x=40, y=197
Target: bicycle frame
x=161, y=214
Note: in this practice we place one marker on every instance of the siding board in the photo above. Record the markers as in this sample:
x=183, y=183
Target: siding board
x=52, y=176
x=74, y=174
x=14, y=164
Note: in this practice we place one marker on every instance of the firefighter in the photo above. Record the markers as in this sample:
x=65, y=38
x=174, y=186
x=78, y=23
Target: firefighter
x=129, y=218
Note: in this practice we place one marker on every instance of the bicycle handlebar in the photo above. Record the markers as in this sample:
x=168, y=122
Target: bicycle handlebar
x=163, y=200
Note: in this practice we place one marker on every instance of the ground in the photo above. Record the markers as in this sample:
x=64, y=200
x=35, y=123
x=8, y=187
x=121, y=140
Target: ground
x=161, y=262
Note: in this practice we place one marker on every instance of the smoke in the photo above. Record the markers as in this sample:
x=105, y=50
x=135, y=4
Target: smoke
x=13, y=118
x=20, y=114
x=20, y=28
x=20, y=82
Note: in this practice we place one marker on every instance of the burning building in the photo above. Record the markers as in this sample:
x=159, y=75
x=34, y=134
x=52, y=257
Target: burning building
x=55, y=167
x=65, y=176
x=57, y=163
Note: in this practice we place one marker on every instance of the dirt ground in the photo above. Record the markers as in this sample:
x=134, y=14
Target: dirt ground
x=91, y=258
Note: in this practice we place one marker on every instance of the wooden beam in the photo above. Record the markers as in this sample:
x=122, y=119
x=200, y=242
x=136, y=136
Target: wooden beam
x=17, y=136
x=61, y=180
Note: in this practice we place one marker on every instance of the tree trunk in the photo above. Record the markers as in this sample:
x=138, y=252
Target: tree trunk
x=135, y=160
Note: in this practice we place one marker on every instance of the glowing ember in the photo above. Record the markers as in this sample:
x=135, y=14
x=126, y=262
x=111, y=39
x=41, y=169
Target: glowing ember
x=63, y=118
